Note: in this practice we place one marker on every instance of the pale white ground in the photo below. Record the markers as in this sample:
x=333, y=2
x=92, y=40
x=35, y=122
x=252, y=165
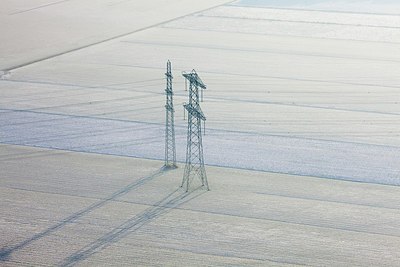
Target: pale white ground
x=298, y=92
x=36, y=29
x=61, y=207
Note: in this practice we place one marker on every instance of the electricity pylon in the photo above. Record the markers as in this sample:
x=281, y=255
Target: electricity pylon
x=194, y=167
x=170, y=150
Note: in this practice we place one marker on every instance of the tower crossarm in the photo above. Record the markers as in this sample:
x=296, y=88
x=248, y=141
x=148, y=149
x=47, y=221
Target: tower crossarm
x=168, y=74
x=194, y=79
x=196, y=112
x=169, y=107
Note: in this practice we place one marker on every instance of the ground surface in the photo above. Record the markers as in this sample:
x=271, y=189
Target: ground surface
x=301, y=96
x=61, y=207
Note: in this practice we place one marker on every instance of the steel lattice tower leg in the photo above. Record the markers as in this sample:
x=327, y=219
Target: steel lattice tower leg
x=194, y=152
x=170, y=150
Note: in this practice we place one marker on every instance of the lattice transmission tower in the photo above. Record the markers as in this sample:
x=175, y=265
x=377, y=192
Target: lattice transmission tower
x=170, y=150
x=194, y=167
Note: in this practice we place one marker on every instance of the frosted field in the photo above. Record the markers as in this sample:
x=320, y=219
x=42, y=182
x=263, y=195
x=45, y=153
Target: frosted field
x=302, y=104
x=124, y=211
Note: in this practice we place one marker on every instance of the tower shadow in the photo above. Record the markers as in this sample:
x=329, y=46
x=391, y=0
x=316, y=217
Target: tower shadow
x=161, y=207
x=6, y=252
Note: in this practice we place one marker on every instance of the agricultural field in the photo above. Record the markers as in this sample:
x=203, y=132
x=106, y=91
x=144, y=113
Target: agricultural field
x=301, y=141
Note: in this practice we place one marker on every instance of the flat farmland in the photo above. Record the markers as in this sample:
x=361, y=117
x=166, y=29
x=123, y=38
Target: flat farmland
x=301, y=143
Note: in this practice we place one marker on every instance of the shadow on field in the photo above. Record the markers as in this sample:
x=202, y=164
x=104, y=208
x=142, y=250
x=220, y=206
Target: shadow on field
x=6, y=252
x=163, y=206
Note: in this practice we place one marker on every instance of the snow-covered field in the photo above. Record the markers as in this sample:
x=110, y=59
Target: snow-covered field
x=227, y=148
x=98, y=210
x=387, y=7
x=297, y=91
x=37, y=29
x=291, y=91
